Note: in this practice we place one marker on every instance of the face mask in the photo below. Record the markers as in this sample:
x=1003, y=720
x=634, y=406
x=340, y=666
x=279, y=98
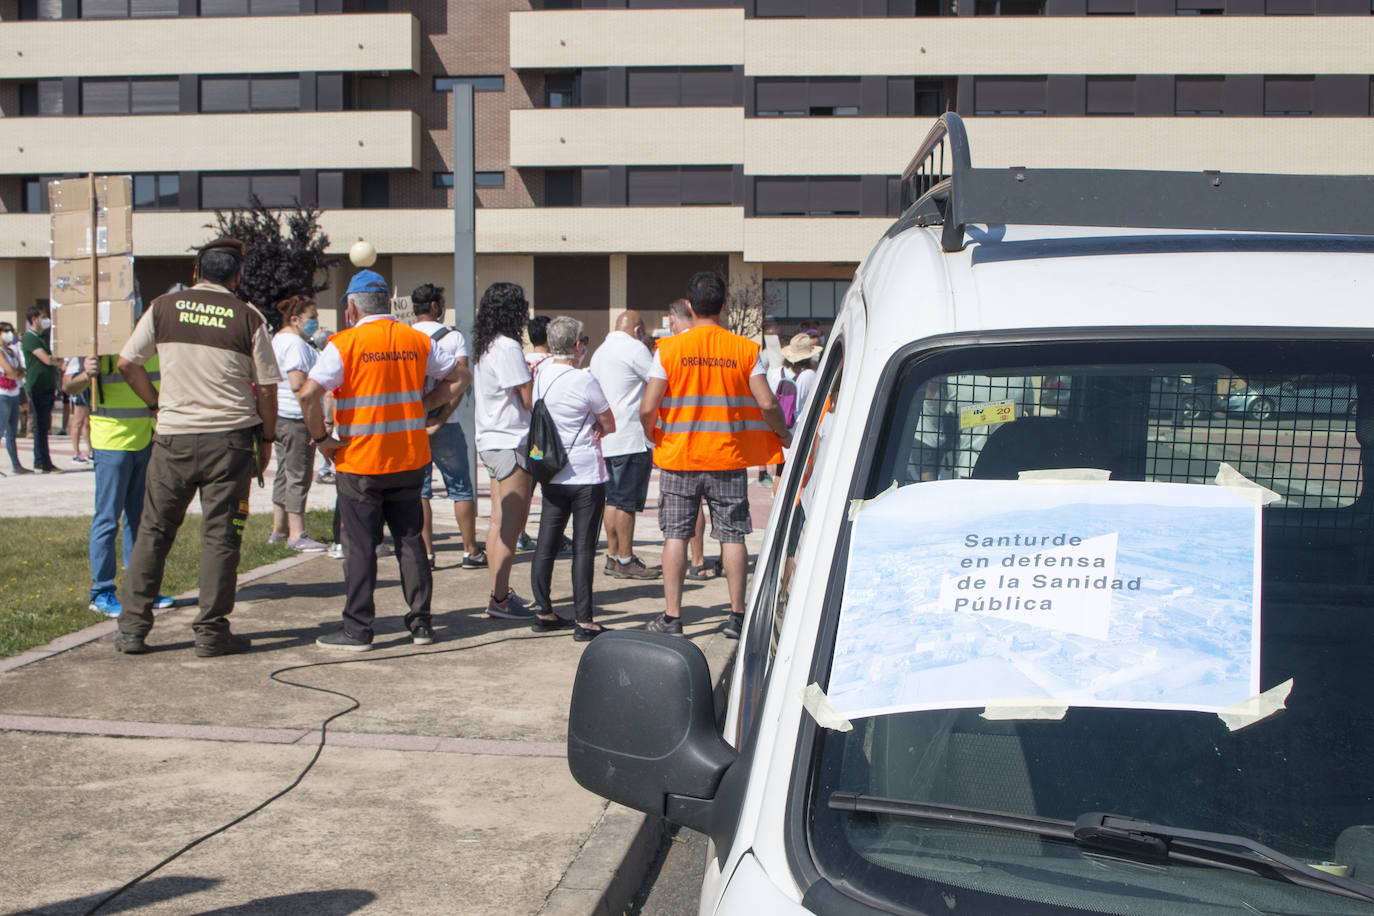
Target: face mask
x=7, y=337
x=310, y=326
x=45, y=324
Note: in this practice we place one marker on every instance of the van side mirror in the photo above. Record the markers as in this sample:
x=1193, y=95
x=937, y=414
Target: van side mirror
x=642, y=725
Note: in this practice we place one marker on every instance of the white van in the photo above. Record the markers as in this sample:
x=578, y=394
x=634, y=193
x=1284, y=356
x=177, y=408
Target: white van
x=1108, y=650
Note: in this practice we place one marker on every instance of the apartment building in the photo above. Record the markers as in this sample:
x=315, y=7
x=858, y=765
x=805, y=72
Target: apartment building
x=623, y=144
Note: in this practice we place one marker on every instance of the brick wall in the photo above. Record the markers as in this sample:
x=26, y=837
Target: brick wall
x=468, y=39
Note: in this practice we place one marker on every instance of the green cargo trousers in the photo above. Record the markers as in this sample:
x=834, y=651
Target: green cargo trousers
x=220, y=467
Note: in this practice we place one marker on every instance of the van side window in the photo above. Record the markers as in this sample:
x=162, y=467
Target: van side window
x=799, y=493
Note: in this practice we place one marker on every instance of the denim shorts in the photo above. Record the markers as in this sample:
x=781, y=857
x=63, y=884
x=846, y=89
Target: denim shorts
x=448, y=448
x=627, y=480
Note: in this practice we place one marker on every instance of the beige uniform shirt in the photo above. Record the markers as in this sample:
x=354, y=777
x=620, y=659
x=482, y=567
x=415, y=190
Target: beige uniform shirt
x=213, y=348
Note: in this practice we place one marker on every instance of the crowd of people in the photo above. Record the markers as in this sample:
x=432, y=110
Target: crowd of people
x=190, y=408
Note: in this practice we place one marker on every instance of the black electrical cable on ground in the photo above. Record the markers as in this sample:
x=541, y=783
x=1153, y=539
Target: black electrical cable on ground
x=319, y=749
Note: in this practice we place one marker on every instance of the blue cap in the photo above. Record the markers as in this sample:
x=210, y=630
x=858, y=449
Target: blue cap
x=365, y=281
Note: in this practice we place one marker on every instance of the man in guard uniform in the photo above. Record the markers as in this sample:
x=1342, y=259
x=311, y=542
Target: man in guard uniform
x=216, y=418
x=377, y=370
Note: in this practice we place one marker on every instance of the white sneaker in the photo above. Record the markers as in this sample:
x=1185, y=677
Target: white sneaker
x=336, y=551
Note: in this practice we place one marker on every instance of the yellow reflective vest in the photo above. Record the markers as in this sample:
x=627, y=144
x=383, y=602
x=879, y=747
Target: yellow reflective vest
x=120, y=421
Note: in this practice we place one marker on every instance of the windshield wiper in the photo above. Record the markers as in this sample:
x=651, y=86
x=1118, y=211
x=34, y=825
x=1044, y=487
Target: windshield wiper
x=1126, y=835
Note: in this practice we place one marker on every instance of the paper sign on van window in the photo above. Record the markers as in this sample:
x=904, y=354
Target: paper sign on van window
x=993, y=413
x=1123, y=594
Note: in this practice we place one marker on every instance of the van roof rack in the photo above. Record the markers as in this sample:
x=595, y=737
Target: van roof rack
x=941, y=187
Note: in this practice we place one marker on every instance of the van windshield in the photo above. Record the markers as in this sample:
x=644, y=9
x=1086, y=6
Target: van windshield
x=1129, y=578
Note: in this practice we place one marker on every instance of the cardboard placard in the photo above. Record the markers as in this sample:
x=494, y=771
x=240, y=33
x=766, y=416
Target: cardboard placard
x=71, y=280
x=71, y=327
x=70, y=203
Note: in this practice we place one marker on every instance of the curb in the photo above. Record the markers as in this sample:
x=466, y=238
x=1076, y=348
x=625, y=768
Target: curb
x=69, y=641
x=612, y=864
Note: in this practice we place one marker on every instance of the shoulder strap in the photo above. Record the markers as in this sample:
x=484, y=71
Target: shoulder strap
x=441, y=333
x=541, y=397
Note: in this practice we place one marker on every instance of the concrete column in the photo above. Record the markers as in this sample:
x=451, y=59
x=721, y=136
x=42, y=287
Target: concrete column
x=618, y=299
x=10, y=294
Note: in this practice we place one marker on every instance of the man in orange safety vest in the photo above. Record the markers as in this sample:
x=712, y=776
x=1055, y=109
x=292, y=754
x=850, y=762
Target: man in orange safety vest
x=380, y=448
x=711, y=415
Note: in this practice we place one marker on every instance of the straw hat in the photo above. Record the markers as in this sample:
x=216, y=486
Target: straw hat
x=801, y=348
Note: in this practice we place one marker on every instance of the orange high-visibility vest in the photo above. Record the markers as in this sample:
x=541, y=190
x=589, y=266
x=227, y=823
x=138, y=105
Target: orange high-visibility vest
x=708, y=419
x=377, y=410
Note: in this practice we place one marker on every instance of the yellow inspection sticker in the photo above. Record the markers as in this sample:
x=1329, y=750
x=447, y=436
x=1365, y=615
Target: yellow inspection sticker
x=991, y=414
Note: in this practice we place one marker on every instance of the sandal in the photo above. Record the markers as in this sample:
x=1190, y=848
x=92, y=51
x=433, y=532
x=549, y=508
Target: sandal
x=540, y=625
x=704, y=571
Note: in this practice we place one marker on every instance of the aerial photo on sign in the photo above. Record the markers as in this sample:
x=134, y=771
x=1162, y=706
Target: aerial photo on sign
x=967, y=593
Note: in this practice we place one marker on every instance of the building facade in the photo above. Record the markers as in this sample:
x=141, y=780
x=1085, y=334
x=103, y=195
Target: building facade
x=623, y=144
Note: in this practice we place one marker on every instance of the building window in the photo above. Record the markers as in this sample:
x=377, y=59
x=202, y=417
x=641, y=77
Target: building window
x=1009, y=95
x=124, y=9
x=562, y=90
x=1200, y=7
x=250, y=7
x=1199, y=95
x=374, y=190
x=673, y=186
x=688, y=87
x=798, y=97
x=224, y=94
x=372, y=94
x=561, y=188
x=234, y=190
x=1111, y=95
x=816, y=195
x=802, y=299
x=1009, y=8
x=479, y=179
x=1288, y=95
x=36, y=195
x=157, y=192
x=478, y=83
x=121, y=96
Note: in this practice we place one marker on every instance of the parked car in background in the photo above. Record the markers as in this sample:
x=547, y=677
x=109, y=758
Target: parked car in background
x=1302, y=396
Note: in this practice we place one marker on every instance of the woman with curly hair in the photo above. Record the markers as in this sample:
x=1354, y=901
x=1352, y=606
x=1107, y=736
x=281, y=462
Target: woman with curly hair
x=502, y=387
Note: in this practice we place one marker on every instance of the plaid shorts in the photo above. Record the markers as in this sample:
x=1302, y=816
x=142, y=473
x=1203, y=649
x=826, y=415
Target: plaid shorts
x=726, y=494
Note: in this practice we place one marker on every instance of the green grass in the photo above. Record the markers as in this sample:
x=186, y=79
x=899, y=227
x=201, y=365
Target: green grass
x=45, y=576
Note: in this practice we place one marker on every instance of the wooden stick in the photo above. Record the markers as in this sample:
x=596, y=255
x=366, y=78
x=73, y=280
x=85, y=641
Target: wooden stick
x=95, y=268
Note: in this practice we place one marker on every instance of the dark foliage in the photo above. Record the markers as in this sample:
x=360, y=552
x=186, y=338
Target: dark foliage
x=281, y=260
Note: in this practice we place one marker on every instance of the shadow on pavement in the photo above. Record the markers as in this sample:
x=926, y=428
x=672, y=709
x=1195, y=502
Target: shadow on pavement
x=154, y=890
x=338, y=902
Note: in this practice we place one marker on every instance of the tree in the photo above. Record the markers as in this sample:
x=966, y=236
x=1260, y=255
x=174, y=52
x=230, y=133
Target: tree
x=277, y=264
x=748, y=305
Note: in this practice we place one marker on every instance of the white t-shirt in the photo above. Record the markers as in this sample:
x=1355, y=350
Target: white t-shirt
x=805, y=380
x=451, y=343
x=500, y=418
x=17, y=361
x=621, y=367
x=574, y=399
x=294, y=353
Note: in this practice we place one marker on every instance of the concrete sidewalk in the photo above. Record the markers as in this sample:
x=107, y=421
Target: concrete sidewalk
x=446, y=791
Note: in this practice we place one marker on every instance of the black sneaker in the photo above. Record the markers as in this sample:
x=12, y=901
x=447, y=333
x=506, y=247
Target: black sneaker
x=433, y=563
x=476, y=560
x=422, y=635
x=341, y=640
x=524, y=542
x=130, y=644
x=231, y=644
x=733, y=626
x=665, y=624
x=587, y=634
x=539, y=625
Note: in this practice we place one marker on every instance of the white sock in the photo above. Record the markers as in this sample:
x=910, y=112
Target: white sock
x=623, y=561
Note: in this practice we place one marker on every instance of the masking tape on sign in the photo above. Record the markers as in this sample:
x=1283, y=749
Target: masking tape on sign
x=1262, y=706
x=1065, y=475
x=857, y=505
x=1025, y=708
x=823, y=711
x=1243, y=486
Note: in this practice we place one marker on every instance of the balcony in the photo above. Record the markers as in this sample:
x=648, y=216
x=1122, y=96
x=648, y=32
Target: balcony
x=796, y=239
x=125, y=47
x=566, y=39
x=559, y=137
x=614, y=230
x=225, y=142
x=1068, y=44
